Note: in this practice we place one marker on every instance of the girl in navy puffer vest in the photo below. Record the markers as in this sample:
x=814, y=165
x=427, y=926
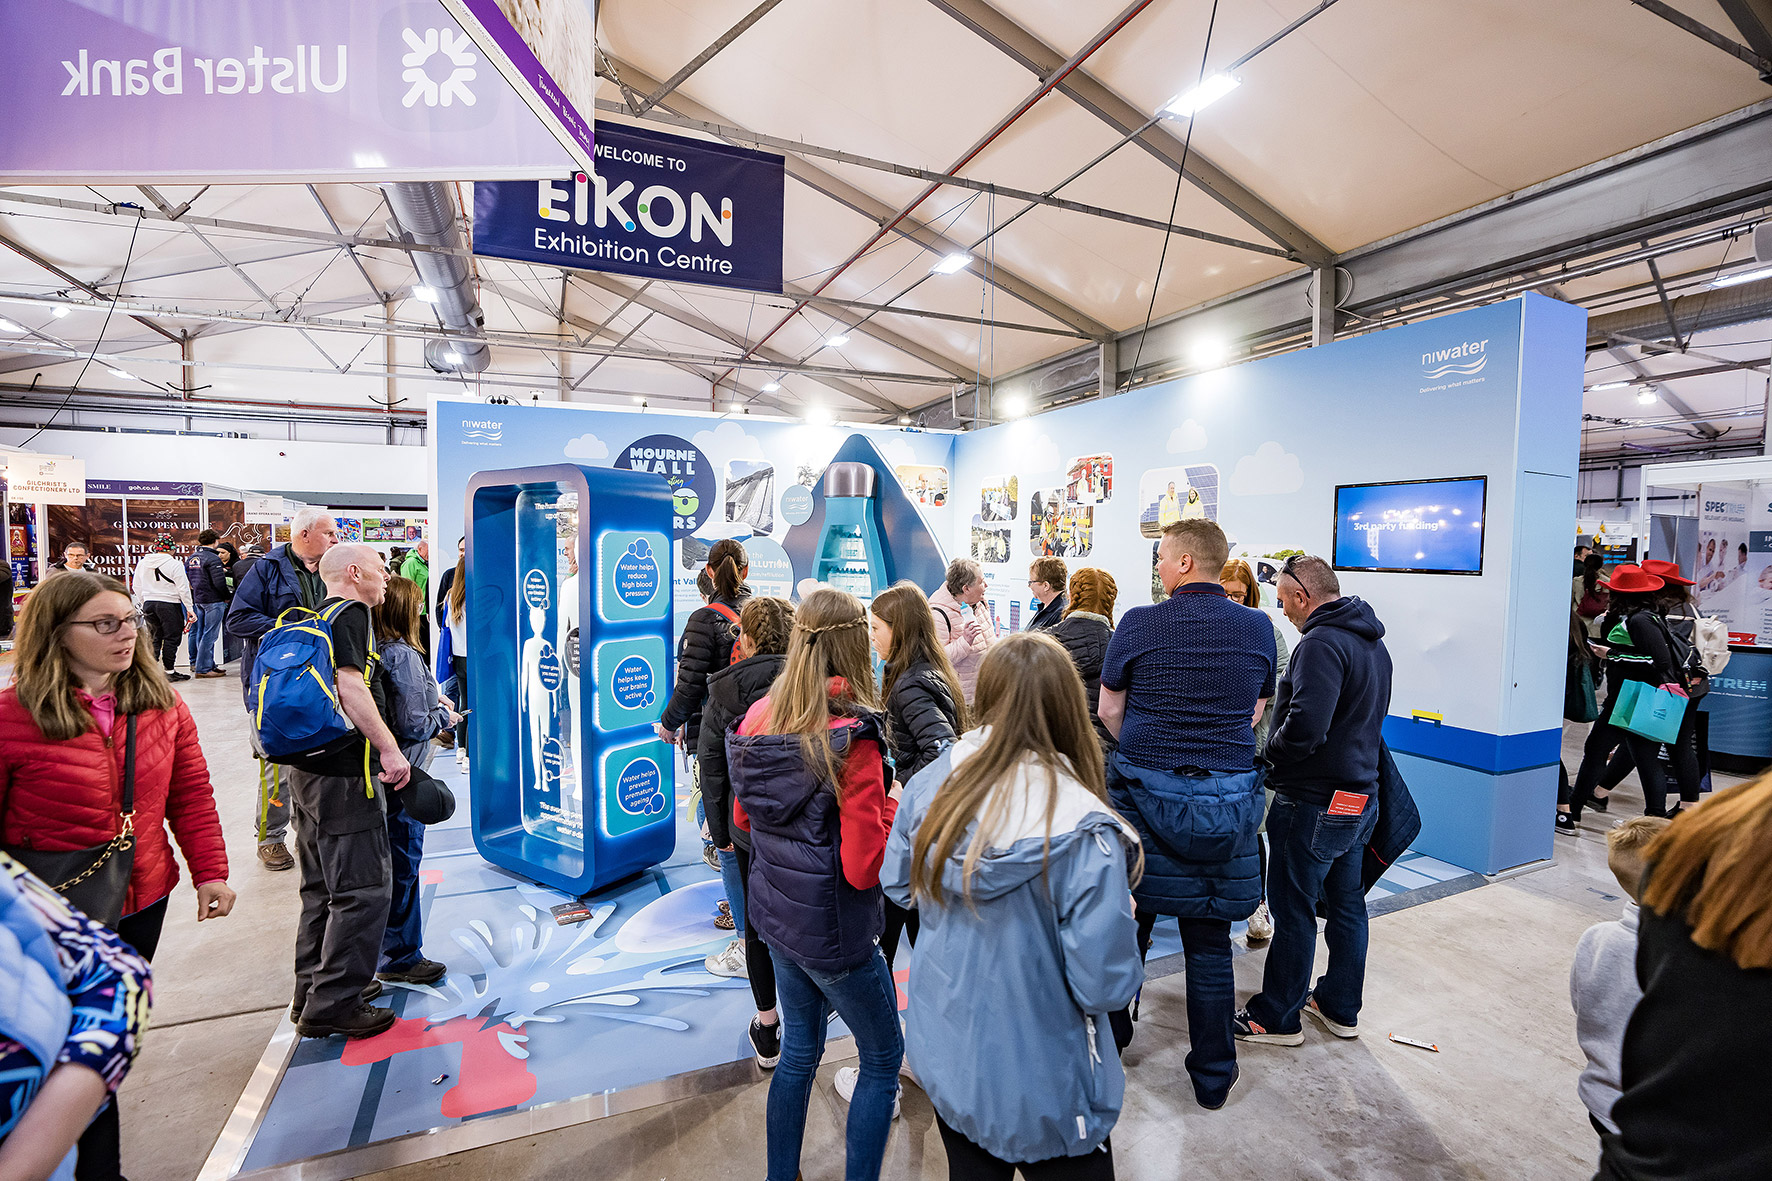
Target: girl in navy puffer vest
x=810, y=785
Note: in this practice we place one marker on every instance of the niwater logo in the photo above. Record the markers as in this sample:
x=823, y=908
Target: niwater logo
x=482, y=432
x=1464, y=360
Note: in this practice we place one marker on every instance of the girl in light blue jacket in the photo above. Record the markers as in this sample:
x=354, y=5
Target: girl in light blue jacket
x=1022, y=875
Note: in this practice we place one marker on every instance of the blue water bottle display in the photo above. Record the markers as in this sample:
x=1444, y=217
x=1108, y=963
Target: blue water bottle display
x=850, y=556
x=569, y=623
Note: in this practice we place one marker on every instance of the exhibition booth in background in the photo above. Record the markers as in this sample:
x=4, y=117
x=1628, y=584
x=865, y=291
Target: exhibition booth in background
x=1448, y=446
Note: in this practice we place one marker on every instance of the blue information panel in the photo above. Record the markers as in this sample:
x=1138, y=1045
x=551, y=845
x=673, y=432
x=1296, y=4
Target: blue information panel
x=569, y=622
x=1421, y=527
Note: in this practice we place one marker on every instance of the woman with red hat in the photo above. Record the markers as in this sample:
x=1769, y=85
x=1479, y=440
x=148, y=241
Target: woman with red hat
x=1690, y=751
x=1640, y=649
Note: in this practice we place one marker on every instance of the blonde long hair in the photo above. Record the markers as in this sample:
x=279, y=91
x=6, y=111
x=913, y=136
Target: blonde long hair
x=830, y=639
x=44, y=680
x=1714, y=870
x=1033, y=702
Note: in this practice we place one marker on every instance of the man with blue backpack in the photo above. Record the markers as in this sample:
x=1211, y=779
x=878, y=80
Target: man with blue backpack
x=288, y=576
x=320, y=700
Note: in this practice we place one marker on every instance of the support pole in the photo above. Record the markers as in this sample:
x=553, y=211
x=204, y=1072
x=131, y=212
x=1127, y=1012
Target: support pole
x=1323, y=313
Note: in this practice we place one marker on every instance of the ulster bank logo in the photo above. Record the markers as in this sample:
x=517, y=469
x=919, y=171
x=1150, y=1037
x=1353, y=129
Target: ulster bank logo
x=1465, y=360
x=439, y=64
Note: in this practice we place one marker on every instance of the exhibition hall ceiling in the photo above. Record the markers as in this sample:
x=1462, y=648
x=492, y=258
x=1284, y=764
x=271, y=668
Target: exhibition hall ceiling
x=1369, y=120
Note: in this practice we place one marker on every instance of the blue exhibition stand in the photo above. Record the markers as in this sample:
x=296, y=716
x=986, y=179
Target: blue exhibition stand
x=569, y=648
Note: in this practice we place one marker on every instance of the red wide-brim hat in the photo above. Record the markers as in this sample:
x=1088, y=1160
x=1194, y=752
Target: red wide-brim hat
x=1666, y=571
x=1633, y=580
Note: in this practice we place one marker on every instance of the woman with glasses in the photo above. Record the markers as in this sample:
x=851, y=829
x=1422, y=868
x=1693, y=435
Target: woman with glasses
x=84, y=677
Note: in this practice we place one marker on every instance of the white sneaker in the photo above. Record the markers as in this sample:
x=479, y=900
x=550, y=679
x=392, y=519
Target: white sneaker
x=1261, y=925
x=730, y=962
x=461, y=759
x=845, y=1083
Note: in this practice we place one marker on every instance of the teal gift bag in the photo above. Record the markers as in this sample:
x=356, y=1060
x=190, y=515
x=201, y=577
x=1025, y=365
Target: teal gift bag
x=1655, y=713
x=1622, y=701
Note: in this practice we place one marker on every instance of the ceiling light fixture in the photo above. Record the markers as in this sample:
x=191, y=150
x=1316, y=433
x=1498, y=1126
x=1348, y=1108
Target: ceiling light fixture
x=952, y=264
x=1646, y=397
x=9, y=326
x=1208, y=352
x=119, y=373
x=837, y=341
x=820, y=415
x=1014, y=406
x=1191, y=102
x=60, y=310
x=428, y=294
x=1741, y=277
x=1608, y=385
x=904, y=420
x=769, y=387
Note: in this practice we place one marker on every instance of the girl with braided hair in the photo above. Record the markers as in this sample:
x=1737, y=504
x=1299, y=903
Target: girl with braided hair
x=811, y=787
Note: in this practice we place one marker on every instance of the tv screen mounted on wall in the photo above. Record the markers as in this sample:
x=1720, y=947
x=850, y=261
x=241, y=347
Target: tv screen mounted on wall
x=1411, y=527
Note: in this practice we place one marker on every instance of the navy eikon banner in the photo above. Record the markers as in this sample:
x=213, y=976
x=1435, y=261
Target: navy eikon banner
x=658, y=206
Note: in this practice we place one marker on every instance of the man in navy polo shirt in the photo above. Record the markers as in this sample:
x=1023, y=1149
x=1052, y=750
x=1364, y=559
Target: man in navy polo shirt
x=1181, y=687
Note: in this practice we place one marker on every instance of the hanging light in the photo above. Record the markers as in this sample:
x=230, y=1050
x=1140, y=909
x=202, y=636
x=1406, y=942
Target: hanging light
x=1191, y=102
x=952, y=264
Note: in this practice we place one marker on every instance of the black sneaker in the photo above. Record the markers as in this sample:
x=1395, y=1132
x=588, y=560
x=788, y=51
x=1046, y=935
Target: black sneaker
x=766, y=1041
x=1219, y=1101
x=1601, y=804
x=1566, y=822
x=178, y=676
x=417, y=972
x=363, y=1021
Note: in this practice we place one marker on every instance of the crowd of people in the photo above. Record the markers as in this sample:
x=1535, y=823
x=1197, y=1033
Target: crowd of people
x=1024, y=809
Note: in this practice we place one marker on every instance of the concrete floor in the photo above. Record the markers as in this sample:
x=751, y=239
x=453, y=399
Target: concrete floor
x=1483, y=974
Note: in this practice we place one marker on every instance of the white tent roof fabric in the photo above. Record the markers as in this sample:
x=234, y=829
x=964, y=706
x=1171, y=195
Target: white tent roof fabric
x=1372, y=118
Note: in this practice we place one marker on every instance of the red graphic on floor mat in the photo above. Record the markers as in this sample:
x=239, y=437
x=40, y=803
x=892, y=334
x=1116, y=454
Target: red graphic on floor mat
x=491, y=1076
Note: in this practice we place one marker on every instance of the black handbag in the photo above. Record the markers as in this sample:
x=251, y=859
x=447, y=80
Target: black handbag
x=95, y=880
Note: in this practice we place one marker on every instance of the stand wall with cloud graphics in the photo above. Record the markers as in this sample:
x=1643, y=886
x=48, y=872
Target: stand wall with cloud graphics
x=1261, y=447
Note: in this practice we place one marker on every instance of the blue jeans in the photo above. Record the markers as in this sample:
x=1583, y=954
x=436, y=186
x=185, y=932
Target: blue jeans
x=1314, y=856
x=1211, y=1000
x=866, y=999
x=733, y=879
x=402, y=942
x=205, y=631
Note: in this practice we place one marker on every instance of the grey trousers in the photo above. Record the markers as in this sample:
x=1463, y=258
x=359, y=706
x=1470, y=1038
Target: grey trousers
x=346, y=883
x=273, y=794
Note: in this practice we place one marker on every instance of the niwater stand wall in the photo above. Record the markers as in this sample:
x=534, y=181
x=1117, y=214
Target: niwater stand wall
x=1476, y=711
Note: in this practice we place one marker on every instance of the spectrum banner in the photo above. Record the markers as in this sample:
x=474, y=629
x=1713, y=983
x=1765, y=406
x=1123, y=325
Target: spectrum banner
x=659, y=206
x=288, y=90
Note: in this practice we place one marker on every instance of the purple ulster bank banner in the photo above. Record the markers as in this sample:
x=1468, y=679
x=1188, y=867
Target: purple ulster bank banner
x=163, y=91
x=658, y=205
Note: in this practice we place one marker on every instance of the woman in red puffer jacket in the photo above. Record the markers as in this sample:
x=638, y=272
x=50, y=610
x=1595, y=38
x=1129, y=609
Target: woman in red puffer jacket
x=84, y=665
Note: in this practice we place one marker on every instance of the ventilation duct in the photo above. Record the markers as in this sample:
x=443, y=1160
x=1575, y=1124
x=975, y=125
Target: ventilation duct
x=426, y=216
x=1718, y=307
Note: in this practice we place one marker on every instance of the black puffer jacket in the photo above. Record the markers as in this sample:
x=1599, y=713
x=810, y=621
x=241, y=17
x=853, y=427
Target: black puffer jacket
x=1085, y=636
x=731, y=692
x=922, y=719
x=707, y=648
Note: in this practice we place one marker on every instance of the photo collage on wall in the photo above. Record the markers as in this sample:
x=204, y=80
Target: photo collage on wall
x=923, y=483
x=997, y=504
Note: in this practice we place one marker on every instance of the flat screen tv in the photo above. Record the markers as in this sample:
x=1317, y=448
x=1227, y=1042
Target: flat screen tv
x=1411, y=527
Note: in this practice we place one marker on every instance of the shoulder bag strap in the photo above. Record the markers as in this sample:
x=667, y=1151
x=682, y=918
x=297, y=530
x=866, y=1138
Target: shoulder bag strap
x=129, y=771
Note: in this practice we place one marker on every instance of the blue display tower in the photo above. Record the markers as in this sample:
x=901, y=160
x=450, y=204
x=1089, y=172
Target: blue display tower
x=850, y=556
x=569, y=636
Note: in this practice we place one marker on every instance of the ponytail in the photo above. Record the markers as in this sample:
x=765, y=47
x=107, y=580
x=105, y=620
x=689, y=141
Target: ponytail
x=726, y=565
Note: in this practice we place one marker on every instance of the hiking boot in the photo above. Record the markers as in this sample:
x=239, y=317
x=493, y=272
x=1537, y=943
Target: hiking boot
x=369, y=993
x=363, y=1021
x=766, y=1041
x=417, y=972
x=1246, y=1030
x=275, y=856
x=730, y=962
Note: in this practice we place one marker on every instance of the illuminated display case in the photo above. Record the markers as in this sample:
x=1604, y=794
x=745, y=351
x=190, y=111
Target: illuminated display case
x=569, y=625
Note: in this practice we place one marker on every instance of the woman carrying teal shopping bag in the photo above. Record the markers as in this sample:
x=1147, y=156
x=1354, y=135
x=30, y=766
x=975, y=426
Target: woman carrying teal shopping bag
x=1639, y=663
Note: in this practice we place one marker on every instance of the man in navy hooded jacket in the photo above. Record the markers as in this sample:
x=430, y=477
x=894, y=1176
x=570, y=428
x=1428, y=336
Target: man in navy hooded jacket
x=1323, y=754
x=288, y=576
